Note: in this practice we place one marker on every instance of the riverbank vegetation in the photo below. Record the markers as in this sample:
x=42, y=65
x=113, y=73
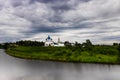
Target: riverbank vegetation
x=85, y=52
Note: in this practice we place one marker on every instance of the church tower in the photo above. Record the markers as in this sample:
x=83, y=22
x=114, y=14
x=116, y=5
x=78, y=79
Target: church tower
x=58, y=40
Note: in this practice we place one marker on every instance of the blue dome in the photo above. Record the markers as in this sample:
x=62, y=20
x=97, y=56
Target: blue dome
x=48, y=38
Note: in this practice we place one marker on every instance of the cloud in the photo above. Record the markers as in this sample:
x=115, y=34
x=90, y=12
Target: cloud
x=74, y=20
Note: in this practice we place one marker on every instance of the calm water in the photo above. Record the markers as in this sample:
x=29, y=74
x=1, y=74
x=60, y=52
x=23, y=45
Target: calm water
x=18, y=69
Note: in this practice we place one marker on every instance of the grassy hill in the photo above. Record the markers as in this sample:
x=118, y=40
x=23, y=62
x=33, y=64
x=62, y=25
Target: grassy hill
x=93, y=54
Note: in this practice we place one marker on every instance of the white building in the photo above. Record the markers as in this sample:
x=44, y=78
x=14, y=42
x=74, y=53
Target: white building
x=50, y=42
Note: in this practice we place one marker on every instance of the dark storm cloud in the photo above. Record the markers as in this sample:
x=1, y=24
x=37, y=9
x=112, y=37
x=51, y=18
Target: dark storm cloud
x=79, y=19
x=43, y=30
x=112, y=38
x=52, y=1
x=46, y=1
x=16, y=2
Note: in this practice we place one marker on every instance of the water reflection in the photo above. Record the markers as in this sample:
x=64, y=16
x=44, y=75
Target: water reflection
x=19, y=69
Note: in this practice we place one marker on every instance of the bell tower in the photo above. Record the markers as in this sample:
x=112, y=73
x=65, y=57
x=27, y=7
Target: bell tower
x=58, y=40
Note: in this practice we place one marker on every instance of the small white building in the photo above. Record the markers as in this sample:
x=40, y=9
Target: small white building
x=59, y=44
x=50, y=42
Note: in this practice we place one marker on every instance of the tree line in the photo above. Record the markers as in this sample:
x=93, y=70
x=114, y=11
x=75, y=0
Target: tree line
x=87, y=45
x=21, y=43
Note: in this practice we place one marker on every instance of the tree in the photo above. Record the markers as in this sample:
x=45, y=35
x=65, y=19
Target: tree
x=118, y=54
x=115, y=44
x=88, y=42
x=87, y=45
x=67, y=43
x=78, y=44
x=6, y=45
x=1, y=46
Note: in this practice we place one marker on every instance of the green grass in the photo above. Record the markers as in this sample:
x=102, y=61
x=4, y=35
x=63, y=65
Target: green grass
x=66, y=54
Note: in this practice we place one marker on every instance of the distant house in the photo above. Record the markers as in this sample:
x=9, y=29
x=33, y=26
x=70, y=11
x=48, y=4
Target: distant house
x=50, y=42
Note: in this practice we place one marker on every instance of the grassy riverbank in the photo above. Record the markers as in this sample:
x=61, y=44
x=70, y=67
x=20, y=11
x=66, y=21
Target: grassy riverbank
x=68, y=54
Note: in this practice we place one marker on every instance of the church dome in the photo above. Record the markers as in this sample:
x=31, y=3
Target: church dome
x=48, y=38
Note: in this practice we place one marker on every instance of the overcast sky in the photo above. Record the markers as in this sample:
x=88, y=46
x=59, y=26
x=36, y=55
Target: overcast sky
x=71, y=20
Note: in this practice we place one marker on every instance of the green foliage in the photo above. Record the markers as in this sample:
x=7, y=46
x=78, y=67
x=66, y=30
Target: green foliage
x=29, y=43
x=97, y=53
x=1, y=46
x=6, y=45
x=115, y=44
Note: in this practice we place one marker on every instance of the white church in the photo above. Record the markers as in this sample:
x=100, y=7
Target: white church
x=50, y=42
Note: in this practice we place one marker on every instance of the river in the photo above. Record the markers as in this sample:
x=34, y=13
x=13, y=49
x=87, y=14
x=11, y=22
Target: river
x=19, y=69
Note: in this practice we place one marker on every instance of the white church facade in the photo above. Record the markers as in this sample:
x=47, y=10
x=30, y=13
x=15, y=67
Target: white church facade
x=50, y=42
